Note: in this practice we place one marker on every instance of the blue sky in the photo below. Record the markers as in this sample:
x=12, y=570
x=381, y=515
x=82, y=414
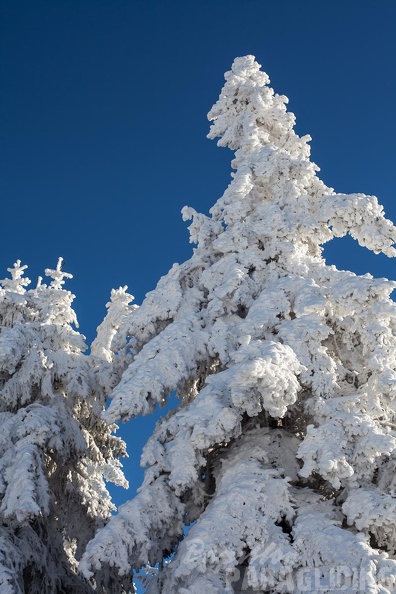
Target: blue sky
x=103, y=128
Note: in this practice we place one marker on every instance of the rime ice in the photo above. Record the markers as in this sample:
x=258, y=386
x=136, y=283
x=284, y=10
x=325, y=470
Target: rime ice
x=55, y=451
x=280, y=454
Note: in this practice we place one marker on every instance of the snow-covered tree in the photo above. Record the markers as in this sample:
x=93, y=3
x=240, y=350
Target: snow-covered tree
x=55, y=450
x=276, y=473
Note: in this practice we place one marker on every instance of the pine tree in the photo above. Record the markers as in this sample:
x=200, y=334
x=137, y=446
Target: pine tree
x=55, y=451
x=276, y=473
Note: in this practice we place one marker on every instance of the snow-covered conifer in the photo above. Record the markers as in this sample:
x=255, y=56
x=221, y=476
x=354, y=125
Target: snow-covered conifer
x=55, y=451
x=281, y=455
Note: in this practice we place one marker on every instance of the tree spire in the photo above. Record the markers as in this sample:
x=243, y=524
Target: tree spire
x=117, y=309
x=249, y=115
x=16, y=284
x=57, y=275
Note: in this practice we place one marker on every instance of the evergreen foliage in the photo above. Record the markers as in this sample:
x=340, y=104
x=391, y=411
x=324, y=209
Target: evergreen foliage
x=55, y=450
x=278, y=467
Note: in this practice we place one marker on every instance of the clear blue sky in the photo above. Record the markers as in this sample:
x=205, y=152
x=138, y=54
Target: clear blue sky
x=103, y=127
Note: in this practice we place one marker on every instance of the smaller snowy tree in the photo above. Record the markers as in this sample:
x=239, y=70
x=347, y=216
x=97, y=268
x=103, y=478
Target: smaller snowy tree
x=55, y=451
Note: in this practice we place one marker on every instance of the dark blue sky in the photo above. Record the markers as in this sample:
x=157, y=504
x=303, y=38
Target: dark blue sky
x=103, y=127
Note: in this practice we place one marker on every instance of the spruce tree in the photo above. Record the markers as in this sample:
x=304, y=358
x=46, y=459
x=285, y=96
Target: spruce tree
x=276, y=473
x=55, y=450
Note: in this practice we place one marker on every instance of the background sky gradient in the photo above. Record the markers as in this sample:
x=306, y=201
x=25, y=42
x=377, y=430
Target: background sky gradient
x=103, y=129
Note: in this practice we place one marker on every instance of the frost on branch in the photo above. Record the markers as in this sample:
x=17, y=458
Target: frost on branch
x=117, y=309
x=108, y=368
x=17, y=282
x=58, y=275
x=55, y=451
x=280, y=457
